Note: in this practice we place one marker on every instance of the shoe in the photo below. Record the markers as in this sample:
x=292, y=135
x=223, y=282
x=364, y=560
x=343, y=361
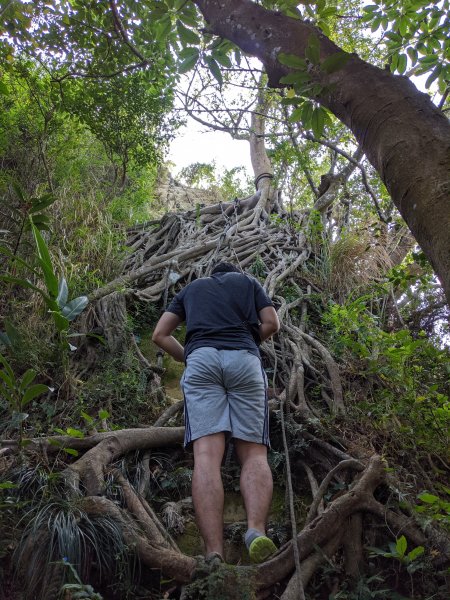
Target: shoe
x=260, y=549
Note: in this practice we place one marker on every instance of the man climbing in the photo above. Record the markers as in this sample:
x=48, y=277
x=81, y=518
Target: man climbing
x=227, y=316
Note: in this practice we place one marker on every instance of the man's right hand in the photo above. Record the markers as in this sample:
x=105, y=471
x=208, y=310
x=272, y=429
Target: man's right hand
x=162, y=336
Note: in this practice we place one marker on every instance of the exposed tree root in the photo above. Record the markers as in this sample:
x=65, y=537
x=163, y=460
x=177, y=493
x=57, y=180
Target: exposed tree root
x=172, y=563
x=339, y=525
x=306, y=379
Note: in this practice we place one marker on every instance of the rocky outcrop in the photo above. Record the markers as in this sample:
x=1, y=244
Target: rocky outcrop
x=172, y=196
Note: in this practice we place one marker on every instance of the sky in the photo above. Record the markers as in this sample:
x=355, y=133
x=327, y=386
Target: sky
x=193, y=143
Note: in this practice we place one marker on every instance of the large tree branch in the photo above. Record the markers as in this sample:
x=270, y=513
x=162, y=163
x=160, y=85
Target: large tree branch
x=405, y=137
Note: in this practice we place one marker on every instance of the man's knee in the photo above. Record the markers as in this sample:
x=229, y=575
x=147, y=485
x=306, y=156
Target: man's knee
x=250, y=451
x=209, y=448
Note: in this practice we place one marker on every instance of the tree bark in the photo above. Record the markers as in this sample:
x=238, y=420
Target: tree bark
x=405, y=137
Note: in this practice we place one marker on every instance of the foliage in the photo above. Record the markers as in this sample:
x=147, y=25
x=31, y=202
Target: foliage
x=417, y=37
x=398, y=552
x=232, y=183
x=78, y=589
x=18, y=393
x=367, y=588
x=126, y=113
x=56, y=297
x=222, y=583
x=406, y=373
x=434, y=508
x=123, y=388
x=348, y=265
x=69, y=535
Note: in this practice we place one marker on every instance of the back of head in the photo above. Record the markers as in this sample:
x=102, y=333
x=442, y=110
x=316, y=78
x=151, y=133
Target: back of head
x=225, y=267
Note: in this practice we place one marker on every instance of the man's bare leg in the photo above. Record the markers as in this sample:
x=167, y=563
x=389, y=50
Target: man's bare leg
x=256, y=482
x=207, y=490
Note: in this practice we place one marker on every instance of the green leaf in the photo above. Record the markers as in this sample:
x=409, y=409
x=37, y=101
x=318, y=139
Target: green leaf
x=163, y=27
x=189, y=62
x=328, y=12
x=307, y=111
x=71, y=310
x=75, y=433
x=215, y=69
x=296, y=115
x=318, y=121
x=190, y=20
x=375, y=24
x=187, y=36
x=62, y=324
x=46, y=263
x=19, y=191
x=401, y=63
x=103, y=414
x=415, y=553
x=393, y=548
x=41, y=202
x=334, y=62
x=413, y=56
x=428, y=498
x=4, y=88
x=323, y=25
x=401, y=545
x=42, y=226
x=394, y=63
x=7, y=485
x=292, y=60
x=297, y=78
x=39, y=219
x=379, y=552
x=71, y=451
x=87, y=418
x=63, y=292
x=434, y=75
x=403, y=26
x=188, y=14
x=7, y=379
x=7, y=367
x=32, y=392
x=312, y=51
x=222, y=59
x=189, y=52
x=429, y=60
x=27, y=378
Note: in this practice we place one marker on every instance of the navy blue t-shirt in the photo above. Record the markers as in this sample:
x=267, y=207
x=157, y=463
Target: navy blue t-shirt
x=221, y=312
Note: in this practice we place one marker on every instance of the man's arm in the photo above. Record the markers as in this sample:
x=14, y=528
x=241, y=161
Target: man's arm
x=269, y=322
x=162, y=336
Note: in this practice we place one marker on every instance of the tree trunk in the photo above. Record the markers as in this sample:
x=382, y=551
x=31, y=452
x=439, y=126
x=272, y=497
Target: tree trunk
x=405, y=137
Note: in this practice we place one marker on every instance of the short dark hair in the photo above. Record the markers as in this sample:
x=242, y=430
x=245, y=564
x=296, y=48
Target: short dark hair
x=225, y=267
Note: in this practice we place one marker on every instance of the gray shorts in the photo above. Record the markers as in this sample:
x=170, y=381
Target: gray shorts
x=225, y=390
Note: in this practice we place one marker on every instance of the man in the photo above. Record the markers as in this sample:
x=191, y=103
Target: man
x=227, y=316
